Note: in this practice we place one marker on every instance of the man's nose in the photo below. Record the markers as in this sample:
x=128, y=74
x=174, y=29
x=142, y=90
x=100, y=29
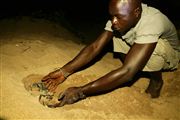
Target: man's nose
x=114, y=20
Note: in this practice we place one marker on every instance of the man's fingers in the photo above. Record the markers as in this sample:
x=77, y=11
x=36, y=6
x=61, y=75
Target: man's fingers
x=51, y=84
x=48, y=83
x=45, y=78
x=52, y=87
x=61, y=96
x=54, y=106
x=63, y=102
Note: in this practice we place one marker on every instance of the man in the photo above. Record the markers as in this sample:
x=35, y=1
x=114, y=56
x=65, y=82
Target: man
x=145, y=36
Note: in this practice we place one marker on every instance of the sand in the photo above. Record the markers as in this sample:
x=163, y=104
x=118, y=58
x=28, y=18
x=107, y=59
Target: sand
x=30, y=46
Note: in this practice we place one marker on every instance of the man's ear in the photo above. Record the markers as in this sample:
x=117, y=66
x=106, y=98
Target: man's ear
x=137, y=11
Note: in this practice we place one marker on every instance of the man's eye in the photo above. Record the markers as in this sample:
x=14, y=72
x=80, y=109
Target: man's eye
x=118, y=17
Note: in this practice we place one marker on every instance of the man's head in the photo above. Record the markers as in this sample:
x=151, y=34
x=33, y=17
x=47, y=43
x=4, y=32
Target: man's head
x=124, y=14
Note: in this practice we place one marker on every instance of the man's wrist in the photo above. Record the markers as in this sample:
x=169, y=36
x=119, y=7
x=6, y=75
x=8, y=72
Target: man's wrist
x=65, y=74
x=81, y=94
x=84, y=89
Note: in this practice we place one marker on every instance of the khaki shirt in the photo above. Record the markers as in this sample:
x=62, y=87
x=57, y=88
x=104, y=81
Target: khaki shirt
x=152, y=26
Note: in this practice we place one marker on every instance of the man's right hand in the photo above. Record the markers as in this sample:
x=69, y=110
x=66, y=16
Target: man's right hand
x=53, y=79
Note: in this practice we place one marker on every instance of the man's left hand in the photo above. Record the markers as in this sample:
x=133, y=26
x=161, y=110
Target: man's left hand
x=69, y=96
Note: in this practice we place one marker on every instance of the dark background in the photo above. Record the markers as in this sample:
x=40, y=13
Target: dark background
x=81, y=17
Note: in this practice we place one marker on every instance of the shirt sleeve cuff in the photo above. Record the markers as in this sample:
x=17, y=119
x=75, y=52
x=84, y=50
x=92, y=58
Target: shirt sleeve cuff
x=146, y=39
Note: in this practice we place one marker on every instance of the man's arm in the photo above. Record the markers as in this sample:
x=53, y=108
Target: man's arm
x=88, y=53
x=53, y=79
x=135, y=60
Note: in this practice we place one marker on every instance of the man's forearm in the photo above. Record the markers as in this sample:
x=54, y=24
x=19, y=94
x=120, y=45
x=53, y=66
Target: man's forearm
x=135, y=61
x=108, y=82
x=88, y=53
x=84, y=57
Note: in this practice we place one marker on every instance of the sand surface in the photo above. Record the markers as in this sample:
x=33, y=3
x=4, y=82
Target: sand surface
x=30, y=46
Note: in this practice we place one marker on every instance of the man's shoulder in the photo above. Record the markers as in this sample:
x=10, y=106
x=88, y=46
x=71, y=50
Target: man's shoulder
x=149, y=10
x=152, y=19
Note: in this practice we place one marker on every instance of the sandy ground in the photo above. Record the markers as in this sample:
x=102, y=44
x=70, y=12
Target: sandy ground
x=38, y=46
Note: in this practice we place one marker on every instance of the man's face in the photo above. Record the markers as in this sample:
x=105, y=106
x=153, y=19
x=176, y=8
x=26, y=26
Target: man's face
x=122, y=15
